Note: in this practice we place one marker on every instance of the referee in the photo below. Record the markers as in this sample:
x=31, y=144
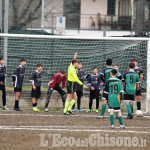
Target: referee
x=71, y=94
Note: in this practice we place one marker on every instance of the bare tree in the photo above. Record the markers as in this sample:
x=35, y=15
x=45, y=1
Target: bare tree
x=24, y=12
x=140, y=15
x=28, y=12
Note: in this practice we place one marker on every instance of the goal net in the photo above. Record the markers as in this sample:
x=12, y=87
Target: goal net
x=56, y=52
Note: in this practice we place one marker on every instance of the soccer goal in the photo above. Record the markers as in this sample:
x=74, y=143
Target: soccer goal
x=56, y=52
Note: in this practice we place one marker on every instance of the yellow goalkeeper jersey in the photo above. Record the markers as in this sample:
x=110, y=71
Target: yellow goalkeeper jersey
x=72, y=75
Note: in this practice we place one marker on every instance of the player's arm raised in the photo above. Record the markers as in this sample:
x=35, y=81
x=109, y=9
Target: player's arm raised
x=75, y=56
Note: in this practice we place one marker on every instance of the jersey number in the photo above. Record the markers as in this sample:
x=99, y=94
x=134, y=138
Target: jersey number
x=108, y=75
x=114, y=89
x=131, y=79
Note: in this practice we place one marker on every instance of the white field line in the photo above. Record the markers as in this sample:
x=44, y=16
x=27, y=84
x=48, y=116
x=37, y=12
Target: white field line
x=71, y=127
x=70, y=130
x=61, y=115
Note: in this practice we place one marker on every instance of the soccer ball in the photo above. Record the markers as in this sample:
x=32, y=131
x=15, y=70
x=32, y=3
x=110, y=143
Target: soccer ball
x=139, y=113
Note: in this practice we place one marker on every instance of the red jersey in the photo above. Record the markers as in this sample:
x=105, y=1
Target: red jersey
x=56, y=80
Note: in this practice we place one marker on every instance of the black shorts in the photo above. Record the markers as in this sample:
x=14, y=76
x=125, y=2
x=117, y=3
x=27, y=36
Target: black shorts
x=115, y=109
x=128, y=97
x=36, y=93
x=94, y=94
x=59, y=90
x=16, y=89
x=138, y=93
x=70, y=87
x=2, y=87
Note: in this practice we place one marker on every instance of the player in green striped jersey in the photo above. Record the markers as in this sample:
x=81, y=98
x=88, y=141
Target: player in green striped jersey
x=119, y=76
x=113, y=94
x=131, y=85
x=139, y=71
x=104, y=76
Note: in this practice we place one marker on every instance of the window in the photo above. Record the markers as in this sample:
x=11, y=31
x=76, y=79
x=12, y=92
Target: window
x=111, y=7
x=124, y=8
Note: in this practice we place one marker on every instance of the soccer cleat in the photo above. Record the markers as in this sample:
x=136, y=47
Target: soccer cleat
x=128, y=116
x=97, y=111
x=131, y=116
x=73, y=109
x=79, y=110
x=112, y=127
x=66, y=113
x=100, y=117
x=5, y=108
x=17, y=109
x=46, y=109
x=35, y=109
x=89, y=110
x=122, y=127
x=71, y=113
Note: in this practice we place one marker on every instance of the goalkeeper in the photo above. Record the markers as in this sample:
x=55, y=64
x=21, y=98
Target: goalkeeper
x=54, y=84
x=72, y=78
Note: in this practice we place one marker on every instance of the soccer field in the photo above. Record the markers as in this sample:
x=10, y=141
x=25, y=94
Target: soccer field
x=40, y=130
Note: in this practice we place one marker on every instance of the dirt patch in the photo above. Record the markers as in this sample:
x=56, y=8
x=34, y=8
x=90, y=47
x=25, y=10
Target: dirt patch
x=29, y=130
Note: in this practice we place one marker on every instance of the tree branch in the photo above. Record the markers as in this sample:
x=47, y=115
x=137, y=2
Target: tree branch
x=26, y=10
x=31, y=14
x=15, y=16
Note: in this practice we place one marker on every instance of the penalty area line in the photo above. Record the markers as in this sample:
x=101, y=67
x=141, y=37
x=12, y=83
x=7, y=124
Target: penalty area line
x=61, y=115
x=70, y=130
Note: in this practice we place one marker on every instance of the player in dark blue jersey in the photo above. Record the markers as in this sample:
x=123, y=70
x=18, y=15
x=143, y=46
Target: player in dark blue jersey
x=139, y=71
x=104, y=76
x=2, y=82
x=96, y=88
x=119, y=76
x=79, y=88
x=18, y=77
x=36, y=80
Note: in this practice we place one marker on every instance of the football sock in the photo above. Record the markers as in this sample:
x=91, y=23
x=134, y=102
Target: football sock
x=16, y=103
x=66, y=106
x=120, y=120
x=71, y=104
x=131, y=105
x=138, y=105
x=34, y=105
x=112, y=119
x=103, y=109
x=128, y=109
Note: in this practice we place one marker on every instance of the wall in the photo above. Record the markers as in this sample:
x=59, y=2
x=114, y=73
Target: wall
x=90, y=8
x=56, y=102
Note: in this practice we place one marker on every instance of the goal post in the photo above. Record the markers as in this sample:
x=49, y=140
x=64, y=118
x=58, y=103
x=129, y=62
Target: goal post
x=148, y=78
x=56, y=52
